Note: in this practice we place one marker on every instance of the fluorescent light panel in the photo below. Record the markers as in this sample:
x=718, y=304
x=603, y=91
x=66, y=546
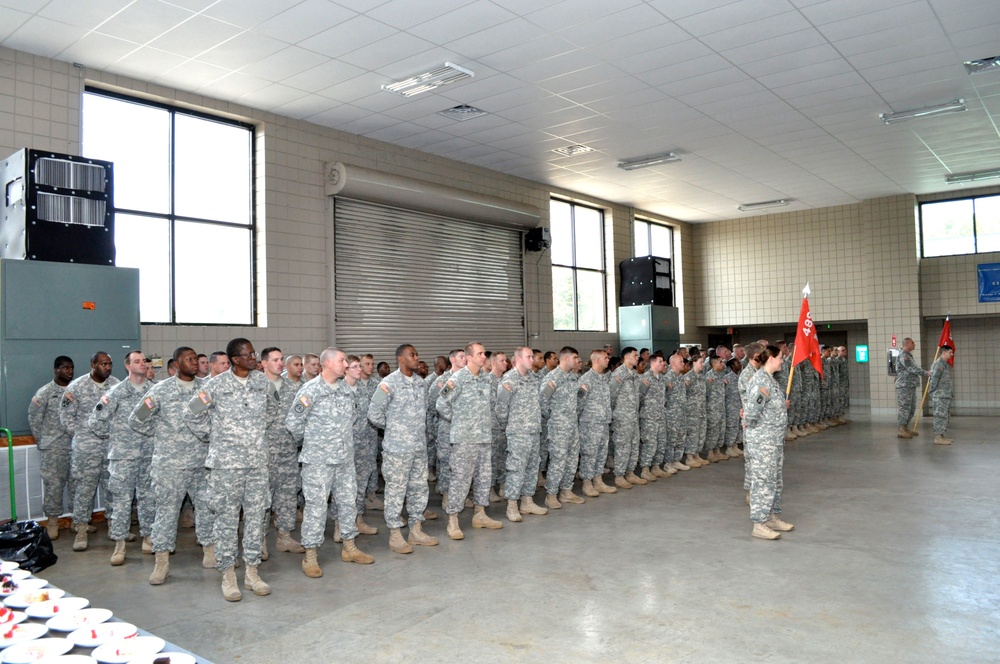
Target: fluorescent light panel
x=750, y=207
x=961, y=178
x=954, y=106
x=573, y=150
x=983, y=66
x=646, y=162
x=428, y=81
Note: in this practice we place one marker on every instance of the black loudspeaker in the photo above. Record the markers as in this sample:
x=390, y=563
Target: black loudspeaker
x=537, y=239
x=646, y=280
x=56, y=207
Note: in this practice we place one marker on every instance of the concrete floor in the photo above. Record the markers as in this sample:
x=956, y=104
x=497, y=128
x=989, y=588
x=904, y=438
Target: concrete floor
x=894, y=558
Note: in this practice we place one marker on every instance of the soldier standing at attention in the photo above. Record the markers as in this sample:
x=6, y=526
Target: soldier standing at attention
x=676, y=420
x=293, y=371
x=715, y=409
x=746, y=375
x=399, y=408
x=467, y=404
x=89, y=461
x=457, y=361
x=54, y=442
x=178, y=465
x=310, y=367
x=498, y=456
x=229, y=413
x=558, y=394
x=367, y=437
x=363, y=457
x=625, y=419
x=519, y=411
x=130, y=454
x=594, y=414
x=908, y=376
x=652, y=417
x=694, y=382
x=218, y=362
x=942, y=390
x=440, y=366
x=733, y=407
x=323, y=419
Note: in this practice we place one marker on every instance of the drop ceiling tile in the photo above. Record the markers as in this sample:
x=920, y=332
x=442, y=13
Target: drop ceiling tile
x=573, y=12
x=144, y=20
x=43, y=36
x=912, y=13
x=242, y=50
x=323, y=75
x=713, y=78
x=733, y=15
x=640, y=97
x=624, y=23
x=526, y=53
x=392, y=133
x=195, y=35
x=10, y=21
x=403, y=14
x=602, y=73
x=26, y=6
x=191, y=74
x=344, y=37
x=555, y=66
x=462, y=22
x=355, y=88
x=756, y=32
x=384, y=53
x=617, y=88
x=687, y=76
x=303, y=20
x=740, y=88
x=497, y=38
x=338, y=116
x=87, y=15
x=678, y=9
x=774, y=47
x=791, y=62
x=284, y=64
x=876, y=41
x=665, y=56
x=97, y=51
x=832, y=11
x=271, y=97
x=234, y=86
x=146, y=63
x=247, y=13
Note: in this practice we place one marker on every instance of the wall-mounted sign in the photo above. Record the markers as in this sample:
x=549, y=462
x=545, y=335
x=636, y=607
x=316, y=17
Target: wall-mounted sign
x=989, y=282
x=861, y=353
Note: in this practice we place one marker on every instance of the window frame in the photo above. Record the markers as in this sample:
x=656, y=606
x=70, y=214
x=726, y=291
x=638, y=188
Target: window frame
x=572, y=266
x=649, y=241
x=975, y=234
x=172, y=218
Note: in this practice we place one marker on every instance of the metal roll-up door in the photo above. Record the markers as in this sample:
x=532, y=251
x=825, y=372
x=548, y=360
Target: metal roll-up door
x=437, y=283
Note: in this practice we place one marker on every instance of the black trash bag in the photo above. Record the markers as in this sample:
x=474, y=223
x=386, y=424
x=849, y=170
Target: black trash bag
x=28, y=544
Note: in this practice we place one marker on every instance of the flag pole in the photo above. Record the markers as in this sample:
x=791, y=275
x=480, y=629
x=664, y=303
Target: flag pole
x=788, y=390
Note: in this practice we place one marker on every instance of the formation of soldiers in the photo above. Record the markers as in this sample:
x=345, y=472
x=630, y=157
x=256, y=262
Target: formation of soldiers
x=483, y=427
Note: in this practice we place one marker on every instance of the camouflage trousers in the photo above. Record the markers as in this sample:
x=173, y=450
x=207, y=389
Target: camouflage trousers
x=906, y=405
x=543, y=447
x=130, y=478
x=229, y=490
x=170, y=486
x=696, y=432
x=652, y=441
x=625, y=438
x=431, y=428
x=811, y=401
x=765, y=455
x=564, y=456
x=497, y=455
x=364, y=468
x=825, y=403
x=54, y=467
x=88, y=470
x=522, y=449
x=793, y=408
x=715, y=432
x=676, y=434
x=405, y=481
x=283, y=482
x=372, y=484
x=470, y=467
x=941, y=408
x=444, y=448
x=733, y=428
x=318, y=481
x=594, y=439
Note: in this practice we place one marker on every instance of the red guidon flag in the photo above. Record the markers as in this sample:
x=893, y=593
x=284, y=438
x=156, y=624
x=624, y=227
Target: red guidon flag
x=946, y=339
x=806, y=341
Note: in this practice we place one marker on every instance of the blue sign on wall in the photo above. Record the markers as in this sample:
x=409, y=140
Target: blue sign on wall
x=989, y=282
x=861, y=353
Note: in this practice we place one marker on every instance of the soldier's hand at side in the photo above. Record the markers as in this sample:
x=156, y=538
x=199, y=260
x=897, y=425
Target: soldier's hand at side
x=788, y=404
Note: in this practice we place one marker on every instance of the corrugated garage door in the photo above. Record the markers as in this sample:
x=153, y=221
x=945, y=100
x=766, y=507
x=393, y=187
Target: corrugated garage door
x=434, y=282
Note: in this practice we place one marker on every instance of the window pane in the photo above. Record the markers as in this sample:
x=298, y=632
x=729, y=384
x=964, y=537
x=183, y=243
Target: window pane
x=590, y=291
x=137, y=139
x=213, y=276
x=561, y=230
x=640, y=233
x=947, y=228
x=661, y=236
x=144, y=243
x=562, y=299
x=213, y=170
x=988, y=224
x=589, y=237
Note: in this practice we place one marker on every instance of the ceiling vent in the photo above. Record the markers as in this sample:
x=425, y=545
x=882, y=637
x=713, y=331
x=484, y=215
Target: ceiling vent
x=573, y=150
x=463, y=112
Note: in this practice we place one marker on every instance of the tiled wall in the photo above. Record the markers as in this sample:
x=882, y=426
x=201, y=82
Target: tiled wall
x=977, y=363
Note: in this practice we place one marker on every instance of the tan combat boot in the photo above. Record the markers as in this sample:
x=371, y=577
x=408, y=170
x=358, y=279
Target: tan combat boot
x=622, y=483
x=351, y=554
x=494, y=497
x=903, y=432
x=658, y=472
x=552, y=502
x=147, y=546
x=482, y=520
x=118, y=557
x=941, y=440
x=775, y=523
x=763, y=532
x=914, y=433
x=454, y=531
x=52, y=527
x=160, y=569
x=397, y=543
x=588, y=489
x=789, y=435
x=252, y=581
x=374, y=503
x=632, y=478
x=668, y=470
x=602, y=487
x=80, y=541
x=208, y=560
x=469, y=504
x=336, y=532
x=567, y=496
x=310, y=567
x=723, y=454
x=513, y=514
x=230, y=589
x=364, y=528
x=528, y=506
x=287, y=543
x=647, y=475
x=430, y=515
x=419, y=538
x=679, y=465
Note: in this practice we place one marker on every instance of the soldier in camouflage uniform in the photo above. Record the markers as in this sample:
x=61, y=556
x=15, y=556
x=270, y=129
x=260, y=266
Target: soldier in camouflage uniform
x=652, y=417
x=284, y=477
x=399, y=407
x=558, y=396
x=323, y=419
x=498, y=455
x=366, y=442
x=625, y=419
x=229, y=412
x=130, y=454
x=697, y=389
x=715, y=410
x=781, y=376
x=177, y=468
x=594, y=415
x=845, y=385
x=440, y=366
x=941, y=390
x=676, y=409
x=765, y=415
x=908, y=375
x=457, y=361
x=746, y=375
x=54, y=442
x=518, y=410
x=813, y=397
x=734, y=429
x=466, y=402
x=89, y=461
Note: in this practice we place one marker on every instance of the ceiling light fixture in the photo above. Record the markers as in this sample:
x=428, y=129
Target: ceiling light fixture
x=764, y=205
x=983, y=66
x=573, y=150
x=646, y=162
x=428, y=81
x=463, y=112
x=961, y=178
x=954, y=106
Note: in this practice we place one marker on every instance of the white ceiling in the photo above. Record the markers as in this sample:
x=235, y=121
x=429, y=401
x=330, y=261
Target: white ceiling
x=764, y=99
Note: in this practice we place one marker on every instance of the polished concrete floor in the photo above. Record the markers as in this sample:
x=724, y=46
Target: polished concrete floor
x=895, y=558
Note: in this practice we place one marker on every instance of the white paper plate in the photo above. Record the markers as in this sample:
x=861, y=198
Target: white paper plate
x=96, y=635
x=68, y=622
x=21, y=633
x=24, y=600
x=32, y=651
x=122, y=651
x=174, y=657
x=8, y=565
x=68, y=659
x=10, y=617
x=57, y=606
x=23, y=586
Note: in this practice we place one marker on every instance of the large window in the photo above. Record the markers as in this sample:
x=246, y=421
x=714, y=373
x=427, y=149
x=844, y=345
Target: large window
x=578, y=293
x=183, y=188
x=962, y=226
x=652, y=239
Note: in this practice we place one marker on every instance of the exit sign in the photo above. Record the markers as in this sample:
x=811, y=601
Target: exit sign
x=861, y=353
